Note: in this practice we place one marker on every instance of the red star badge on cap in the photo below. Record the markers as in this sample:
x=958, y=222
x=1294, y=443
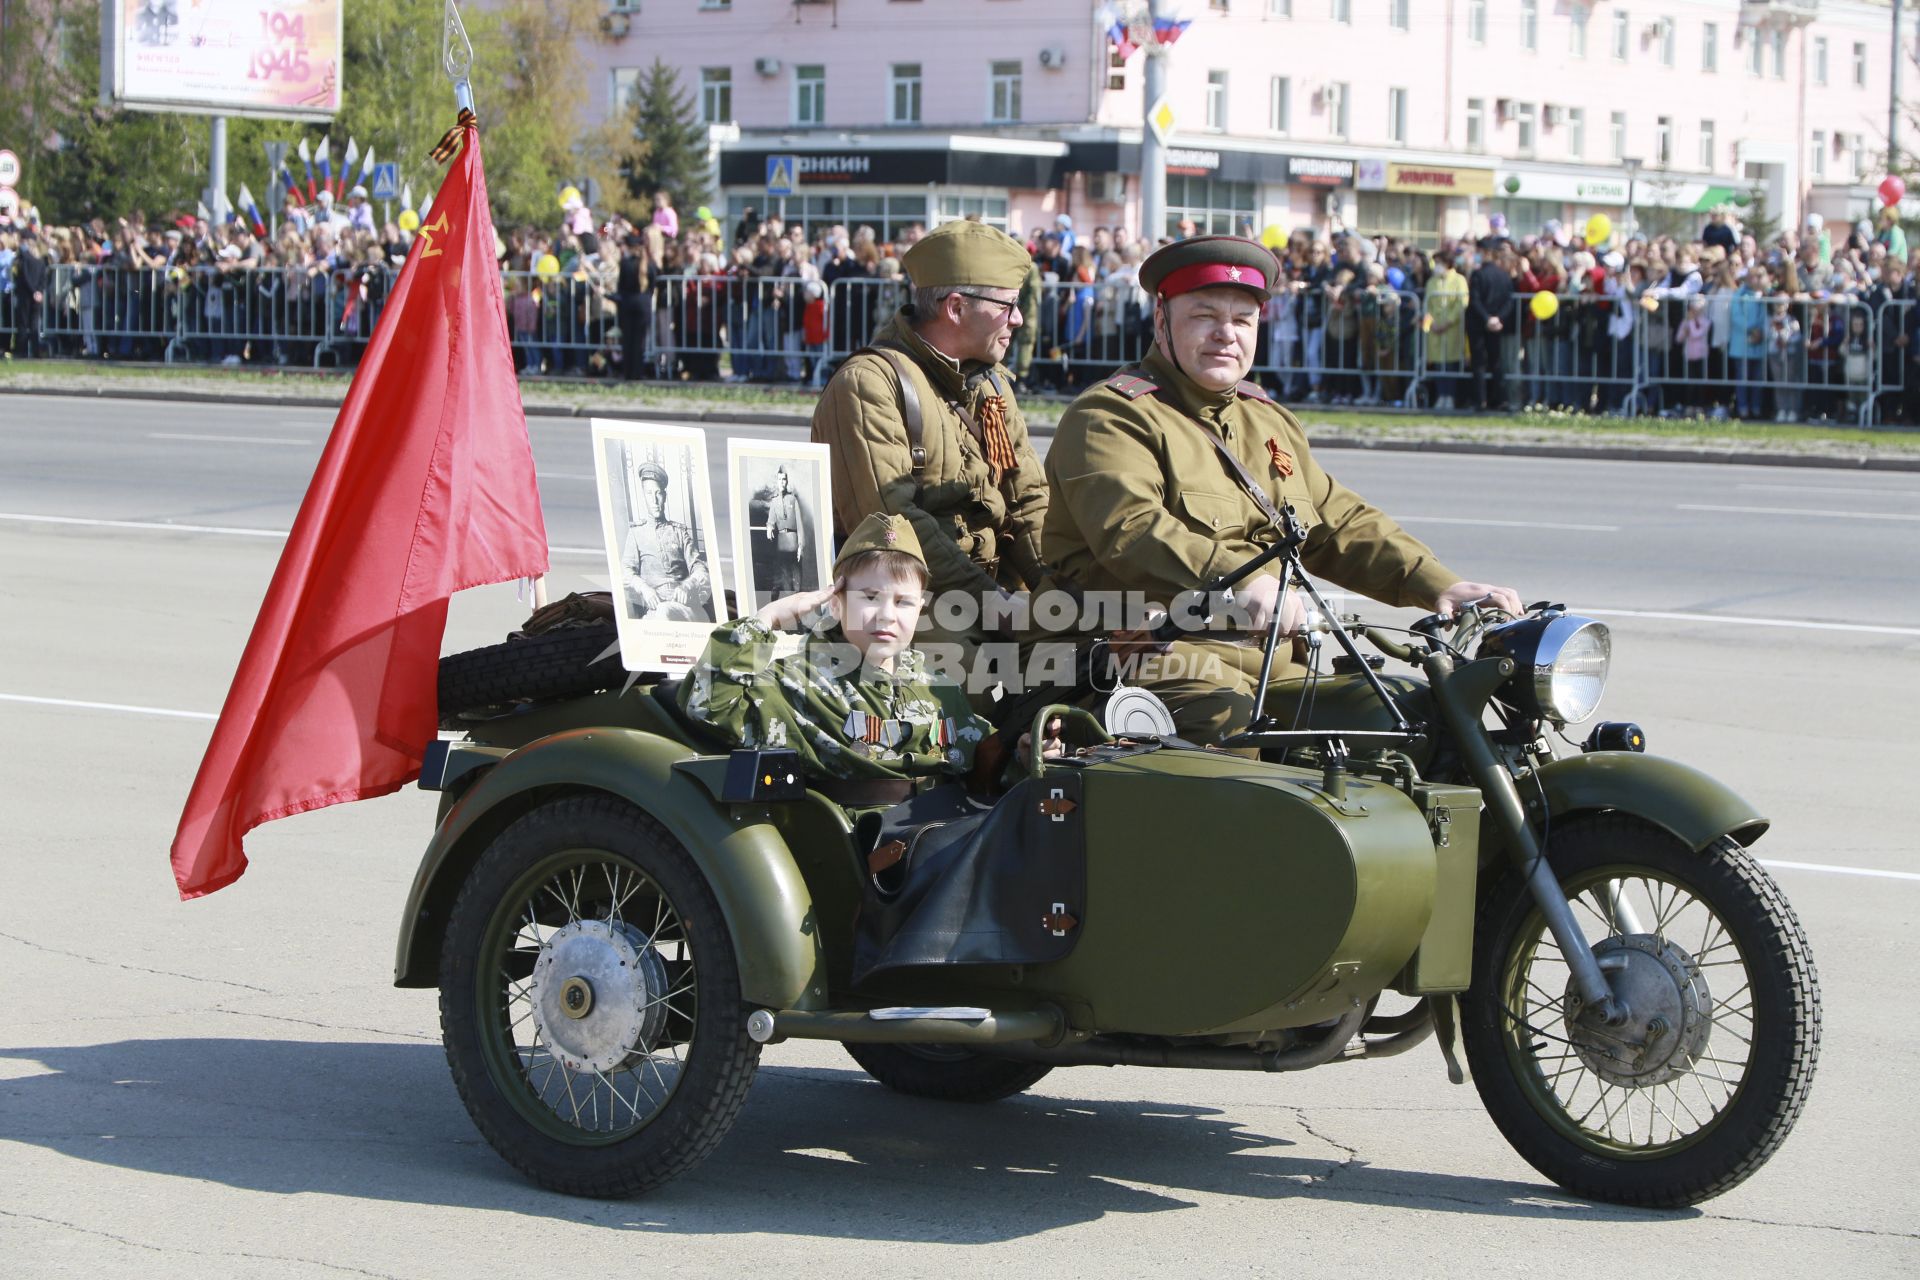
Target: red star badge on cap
x=1233, y=273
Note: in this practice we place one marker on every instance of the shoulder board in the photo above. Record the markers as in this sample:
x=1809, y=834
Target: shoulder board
x=1131, y=385
x=1253, y=390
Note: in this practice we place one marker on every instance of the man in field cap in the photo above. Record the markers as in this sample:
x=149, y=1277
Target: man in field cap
x=1154, y=475
x=922, y=423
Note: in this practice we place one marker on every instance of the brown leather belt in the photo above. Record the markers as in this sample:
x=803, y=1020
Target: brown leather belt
x=863, y=793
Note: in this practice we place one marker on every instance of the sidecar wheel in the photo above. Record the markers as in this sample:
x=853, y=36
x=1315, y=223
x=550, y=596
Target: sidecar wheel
x=590, y=1001
x=946, y=1072
x=1712, y=1068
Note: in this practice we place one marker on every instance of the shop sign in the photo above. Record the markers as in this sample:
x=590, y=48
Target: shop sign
x=1370, y=174
x=834, y=168
x=1187, y=160
x=1316, y=171
x=1439, y=180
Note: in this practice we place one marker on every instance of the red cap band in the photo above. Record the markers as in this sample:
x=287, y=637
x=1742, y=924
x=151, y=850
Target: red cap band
x=1204, y=275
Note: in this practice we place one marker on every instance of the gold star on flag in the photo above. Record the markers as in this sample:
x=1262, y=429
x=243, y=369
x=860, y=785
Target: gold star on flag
x=428, y=231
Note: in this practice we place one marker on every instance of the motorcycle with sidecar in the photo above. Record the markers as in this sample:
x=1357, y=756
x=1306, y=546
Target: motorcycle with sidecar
x=619, y=912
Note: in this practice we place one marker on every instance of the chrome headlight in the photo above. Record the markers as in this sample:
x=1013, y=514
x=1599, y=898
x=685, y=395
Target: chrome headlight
x=1559, y=664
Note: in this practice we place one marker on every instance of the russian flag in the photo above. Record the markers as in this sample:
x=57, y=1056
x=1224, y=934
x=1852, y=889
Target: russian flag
x=1167, y=30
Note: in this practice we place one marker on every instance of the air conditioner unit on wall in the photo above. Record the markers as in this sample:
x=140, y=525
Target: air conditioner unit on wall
x=1107, y=188
x=1053, y=58
x=616, y=24
x=1553, y=114
x=767, y=66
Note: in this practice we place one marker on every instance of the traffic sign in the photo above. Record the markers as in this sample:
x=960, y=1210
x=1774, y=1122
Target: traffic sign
x=386, y=181
x=783, y=174
x=9, y=169
x=9, y=200
x=1160, y=120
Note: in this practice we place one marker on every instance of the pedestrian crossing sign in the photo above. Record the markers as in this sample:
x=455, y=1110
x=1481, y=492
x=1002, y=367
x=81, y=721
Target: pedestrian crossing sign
x=781, y=173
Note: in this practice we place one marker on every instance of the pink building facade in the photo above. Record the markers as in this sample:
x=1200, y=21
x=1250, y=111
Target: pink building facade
x=1419, y=118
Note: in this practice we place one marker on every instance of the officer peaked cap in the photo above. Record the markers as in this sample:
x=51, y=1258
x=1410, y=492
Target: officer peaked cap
x=652, y=471
x=1204, y=262
x=880, y=532
x=966, y=253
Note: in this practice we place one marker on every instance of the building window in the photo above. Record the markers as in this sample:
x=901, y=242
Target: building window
x=1577, y=33
x=1476, y=124
x=620, y=92
x=1819, y=59
x=1621, y=36
x=1343, y=11
x=1756, y=54
x=1217, y=208
x=1779, y=55
x=1526, y=120
x=903, y=93
x=1857, y=145
x=1817, y=154
x=1530, y=25
x=1669, y=41
x=716, y=95
x=1400, y=15
x=1709, y=46
x=1279, y=8
x=1477, y=21
x=1003, y=98
x=1709, y=158
x=810, y=95
x=1397, y=116
x=1859, y=66
x=1663, y=141
x=1576, y=132
x=716, y=4
x=1619, y=132
x=1337, y=109
x=1280, y=104
x=1412, y=219
x=1217, y=101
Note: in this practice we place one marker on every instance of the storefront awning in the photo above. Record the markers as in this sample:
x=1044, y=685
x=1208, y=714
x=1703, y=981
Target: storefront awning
x=1712, y=198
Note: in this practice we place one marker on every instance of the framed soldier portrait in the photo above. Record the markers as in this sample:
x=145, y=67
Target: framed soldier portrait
x=657, y=520
x=782, y=519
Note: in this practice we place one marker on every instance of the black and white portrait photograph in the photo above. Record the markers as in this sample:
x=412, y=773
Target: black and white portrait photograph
x=657, y=517
x=782, y=519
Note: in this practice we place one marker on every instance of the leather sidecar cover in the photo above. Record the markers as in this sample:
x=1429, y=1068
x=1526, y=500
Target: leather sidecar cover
x=999, y=884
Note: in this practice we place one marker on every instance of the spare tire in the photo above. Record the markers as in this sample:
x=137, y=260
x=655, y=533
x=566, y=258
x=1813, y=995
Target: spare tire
x=569, y=662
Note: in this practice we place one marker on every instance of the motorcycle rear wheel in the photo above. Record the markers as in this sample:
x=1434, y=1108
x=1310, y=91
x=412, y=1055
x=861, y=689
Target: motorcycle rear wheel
x=946, y=1072
x=1705, y=1080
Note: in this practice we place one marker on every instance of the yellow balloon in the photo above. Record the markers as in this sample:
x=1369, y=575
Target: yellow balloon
x=567, y=194
x=409, y=220
x=548, y=267
x=1545, y=306
x=1274, y=237
x=1599, y=228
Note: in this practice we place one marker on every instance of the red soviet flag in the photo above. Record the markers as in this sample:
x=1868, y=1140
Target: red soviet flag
x=426, y=487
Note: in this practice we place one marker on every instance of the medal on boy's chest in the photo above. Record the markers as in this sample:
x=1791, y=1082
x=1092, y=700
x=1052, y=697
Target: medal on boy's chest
x=874, y=732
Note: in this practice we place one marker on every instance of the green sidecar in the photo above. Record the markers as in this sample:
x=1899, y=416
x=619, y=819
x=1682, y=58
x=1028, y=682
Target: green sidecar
x=619, y=913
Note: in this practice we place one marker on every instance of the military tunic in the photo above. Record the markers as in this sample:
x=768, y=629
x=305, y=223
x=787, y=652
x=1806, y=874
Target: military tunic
x=850, y=725
x=1143, y=502
x=979, y=536
x=661, y=555
x=786, y=530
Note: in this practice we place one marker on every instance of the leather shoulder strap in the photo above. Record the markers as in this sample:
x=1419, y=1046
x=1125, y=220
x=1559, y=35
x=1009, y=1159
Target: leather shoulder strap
x=1129, y=383
x=909, y=405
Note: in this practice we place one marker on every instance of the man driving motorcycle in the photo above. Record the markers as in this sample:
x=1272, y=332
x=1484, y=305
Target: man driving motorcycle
x=1171, y=473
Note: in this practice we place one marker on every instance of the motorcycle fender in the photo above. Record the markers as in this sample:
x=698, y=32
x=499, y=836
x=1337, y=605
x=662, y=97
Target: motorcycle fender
x=762, y=895
x=1678, y=798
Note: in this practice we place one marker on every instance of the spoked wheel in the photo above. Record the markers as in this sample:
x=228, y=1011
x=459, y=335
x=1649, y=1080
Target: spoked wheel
x=590, y=1001
x=1704, y=1079
x=946, y=1071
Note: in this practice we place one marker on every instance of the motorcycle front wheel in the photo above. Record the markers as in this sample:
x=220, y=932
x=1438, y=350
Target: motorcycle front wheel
x=1703, y=1080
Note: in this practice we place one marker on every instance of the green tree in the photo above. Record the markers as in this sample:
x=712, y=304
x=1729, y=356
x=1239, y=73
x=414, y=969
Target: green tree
x=671, y=145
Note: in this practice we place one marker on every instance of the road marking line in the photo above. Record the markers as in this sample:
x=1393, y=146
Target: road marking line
x=108, y=706
x=1841, y=871
x=233, y=530
x=1798, y=511
x=1798, y=624
x=1514, y=524
x=183, y=435
x=1828, y=488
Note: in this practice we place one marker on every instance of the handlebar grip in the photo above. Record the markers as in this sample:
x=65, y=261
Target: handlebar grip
x=1389, y=646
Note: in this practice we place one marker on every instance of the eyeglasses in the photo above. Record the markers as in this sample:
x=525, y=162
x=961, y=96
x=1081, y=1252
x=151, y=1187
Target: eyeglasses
x=1006, y=307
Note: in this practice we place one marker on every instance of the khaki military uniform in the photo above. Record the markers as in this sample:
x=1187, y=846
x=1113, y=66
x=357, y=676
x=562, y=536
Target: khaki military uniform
x=979, y=536
x=1141, y=501
x=666, y=576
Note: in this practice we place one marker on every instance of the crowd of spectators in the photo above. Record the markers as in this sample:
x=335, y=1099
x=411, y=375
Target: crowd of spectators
x=1804, y=326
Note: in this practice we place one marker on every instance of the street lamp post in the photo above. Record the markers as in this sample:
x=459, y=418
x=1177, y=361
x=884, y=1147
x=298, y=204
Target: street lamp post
x=1632, y=165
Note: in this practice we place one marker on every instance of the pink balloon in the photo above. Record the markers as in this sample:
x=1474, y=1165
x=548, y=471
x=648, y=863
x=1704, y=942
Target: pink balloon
x=1892, y=189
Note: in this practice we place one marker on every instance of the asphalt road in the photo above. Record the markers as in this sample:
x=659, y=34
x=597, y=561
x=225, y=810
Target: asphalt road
x=232, y=1087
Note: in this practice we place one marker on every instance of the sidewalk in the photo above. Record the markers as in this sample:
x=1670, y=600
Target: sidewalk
x=1525, y=434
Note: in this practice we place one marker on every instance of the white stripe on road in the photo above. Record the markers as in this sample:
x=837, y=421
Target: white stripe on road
x=1511, y=524
x=1798, y=511
x=1828, y=488
x=1842, y=871
x=183, y=435
x=108, y=706
x=231, y=530
x=1796, y=624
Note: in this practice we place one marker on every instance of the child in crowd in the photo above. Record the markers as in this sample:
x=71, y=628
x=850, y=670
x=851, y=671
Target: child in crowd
x=1786, y=360
x=1694, y=334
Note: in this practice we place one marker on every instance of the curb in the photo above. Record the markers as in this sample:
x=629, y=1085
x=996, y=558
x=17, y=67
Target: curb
x=1600, y=452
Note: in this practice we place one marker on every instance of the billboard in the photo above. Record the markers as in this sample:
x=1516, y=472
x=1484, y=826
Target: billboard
x=280, y=58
